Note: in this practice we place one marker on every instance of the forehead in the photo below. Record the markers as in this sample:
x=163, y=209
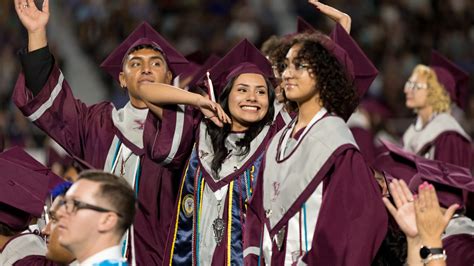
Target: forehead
x=83, y=189
x=293, y=51
x=144, y=54
x=419, y=77
x=251, y=79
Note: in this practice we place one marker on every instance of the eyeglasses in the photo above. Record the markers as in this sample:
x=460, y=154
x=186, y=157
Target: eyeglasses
x=415, y=86
x=73, y=206
x=297, y=67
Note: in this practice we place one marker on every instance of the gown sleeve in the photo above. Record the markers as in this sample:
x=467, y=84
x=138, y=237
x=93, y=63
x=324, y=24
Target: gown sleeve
x=67, y=120
x=174, y=135
x=352, y=222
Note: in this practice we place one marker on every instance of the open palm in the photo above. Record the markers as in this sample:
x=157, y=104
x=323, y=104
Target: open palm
x=31, y=17
x=404, y=209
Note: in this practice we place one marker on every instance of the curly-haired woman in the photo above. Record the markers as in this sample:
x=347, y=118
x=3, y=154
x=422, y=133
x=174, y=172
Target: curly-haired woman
x=317, y=202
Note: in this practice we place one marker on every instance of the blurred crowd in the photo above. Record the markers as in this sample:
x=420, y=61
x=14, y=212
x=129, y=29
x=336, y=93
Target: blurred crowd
x=396, y=35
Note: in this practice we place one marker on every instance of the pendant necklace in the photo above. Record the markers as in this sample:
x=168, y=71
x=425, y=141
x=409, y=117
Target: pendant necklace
x=218, y=224
x=123, y=162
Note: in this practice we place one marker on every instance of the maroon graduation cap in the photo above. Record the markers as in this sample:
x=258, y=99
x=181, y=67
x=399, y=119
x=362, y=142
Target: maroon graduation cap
x=243, y=58
x=144, y=34
x=303, y=26
x=358, y=66
x=19, y=157
x=201, y=72
x=449, y=180
x=454, y=79
x=23, y=194
x=396, y=162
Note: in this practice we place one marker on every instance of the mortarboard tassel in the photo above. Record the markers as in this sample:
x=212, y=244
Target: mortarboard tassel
x=210, y=88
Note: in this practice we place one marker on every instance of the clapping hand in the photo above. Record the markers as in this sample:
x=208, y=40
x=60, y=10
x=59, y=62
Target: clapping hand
x=404, y=209
x=430, y=220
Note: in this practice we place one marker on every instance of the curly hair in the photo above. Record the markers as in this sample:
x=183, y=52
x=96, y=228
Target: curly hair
x=438, y=97
x=219, y=134
x=336, y=90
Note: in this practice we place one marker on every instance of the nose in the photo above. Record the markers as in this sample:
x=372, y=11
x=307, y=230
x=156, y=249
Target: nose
x=46, y=231
x=146, y=69
x=287, y=73
x=251, y=97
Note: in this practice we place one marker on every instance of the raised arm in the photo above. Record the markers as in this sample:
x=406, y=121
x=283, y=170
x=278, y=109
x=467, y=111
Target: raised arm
x=159, y=94
x=35, y=21
x=334, y=14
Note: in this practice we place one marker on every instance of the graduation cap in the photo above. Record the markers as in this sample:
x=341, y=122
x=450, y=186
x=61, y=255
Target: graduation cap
x=23, y=194
x=303, y=26
x=144, y=34
x=454, y=79
x=395, y=163
x=358, y=66
x=449, y=180
x=243, y=58
x=201, y=72
x=19, y=157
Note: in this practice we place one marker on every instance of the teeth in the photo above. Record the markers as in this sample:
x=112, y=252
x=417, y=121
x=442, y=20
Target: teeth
x=251, y=108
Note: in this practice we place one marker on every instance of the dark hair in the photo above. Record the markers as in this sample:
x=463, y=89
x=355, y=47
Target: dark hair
x=337, y=92
x=117, y=192
x=393, y=249
x=219, y=134
x=270, y=45
x=6, y=230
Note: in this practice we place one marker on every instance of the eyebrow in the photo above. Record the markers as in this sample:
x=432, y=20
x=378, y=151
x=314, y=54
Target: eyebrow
x=246, y=85
x=151, y=58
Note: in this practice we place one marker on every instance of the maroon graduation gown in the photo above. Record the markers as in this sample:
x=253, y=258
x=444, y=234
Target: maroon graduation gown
x=86, y=133
x=352, y=221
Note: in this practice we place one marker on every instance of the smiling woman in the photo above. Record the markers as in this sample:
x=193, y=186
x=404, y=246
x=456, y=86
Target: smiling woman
x=226, y=155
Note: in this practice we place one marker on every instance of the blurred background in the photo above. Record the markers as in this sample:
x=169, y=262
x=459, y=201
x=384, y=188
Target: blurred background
x=395, y=34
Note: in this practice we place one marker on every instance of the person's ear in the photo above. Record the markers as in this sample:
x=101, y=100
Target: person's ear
x=168, y=77
x=123, y=82
x=108, y=222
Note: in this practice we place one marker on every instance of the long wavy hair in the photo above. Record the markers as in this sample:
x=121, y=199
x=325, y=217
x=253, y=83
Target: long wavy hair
x=219, y=134
x=336, y=91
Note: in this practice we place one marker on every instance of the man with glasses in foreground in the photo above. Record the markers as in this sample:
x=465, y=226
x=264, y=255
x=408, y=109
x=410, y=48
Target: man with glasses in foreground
x=93, y=216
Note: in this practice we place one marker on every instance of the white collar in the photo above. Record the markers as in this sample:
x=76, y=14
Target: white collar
x=112, y=253
x=130, y=121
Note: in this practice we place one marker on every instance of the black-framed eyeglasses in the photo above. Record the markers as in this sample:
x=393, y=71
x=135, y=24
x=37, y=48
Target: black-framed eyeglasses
x=73, y=206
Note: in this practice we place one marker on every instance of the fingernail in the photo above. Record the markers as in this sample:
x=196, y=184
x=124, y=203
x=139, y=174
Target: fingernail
x=415, y=197
x=431, y=187
x=421, y=186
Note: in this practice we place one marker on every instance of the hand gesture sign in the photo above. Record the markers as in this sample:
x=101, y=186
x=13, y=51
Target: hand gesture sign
x=33, y=20
x=213, y=111
x=404, y=209
x=334, y=14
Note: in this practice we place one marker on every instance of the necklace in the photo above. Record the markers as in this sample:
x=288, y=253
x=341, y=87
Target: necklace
x=218, y=224
x=122, y=165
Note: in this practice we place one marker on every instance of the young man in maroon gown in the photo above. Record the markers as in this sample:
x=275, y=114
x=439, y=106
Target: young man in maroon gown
x=102, y=136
